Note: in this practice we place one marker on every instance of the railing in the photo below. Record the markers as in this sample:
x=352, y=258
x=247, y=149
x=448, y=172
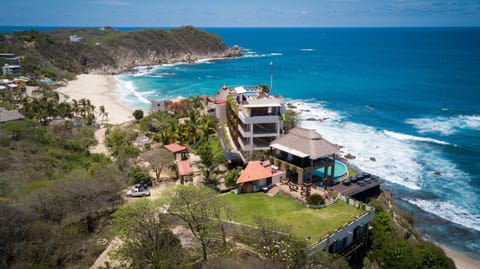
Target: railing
x=294, y=161
x=264, y=131
x=347, y=228
x=244, y=132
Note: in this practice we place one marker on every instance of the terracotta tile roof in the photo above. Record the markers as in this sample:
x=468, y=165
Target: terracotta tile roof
x=303, y=142
x=184, y=168
x=253, y=172
x=175, y=148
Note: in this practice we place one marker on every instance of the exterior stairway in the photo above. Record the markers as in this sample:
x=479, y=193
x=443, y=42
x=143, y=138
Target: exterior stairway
x=273, y=191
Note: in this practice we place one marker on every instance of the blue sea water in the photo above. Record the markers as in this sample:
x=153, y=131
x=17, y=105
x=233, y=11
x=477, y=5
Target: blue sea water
x=409, y=97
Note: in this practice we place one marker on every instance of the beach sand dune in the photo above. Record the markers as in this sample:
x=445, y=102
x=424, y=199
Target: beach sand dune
x=99, y=89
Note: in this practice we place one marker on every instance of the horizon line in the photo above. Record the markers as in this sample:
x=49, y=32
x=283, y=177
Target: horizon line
x=294, y=26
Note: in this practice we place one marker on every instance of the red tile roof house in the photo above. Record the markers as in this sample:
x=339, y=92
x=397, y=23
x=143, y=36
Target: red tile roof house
x=183, y=163
x=259, y=176
x=180, y=152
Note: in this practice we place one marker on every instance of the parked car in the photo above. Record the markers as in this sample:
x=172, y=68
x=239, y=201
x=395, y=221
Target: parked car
x=138, y=192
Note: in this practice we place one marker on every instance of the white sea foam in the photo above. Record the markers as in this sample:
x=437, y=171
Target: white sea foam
x=275, y=54
x=395, y=160
x=399, y=159
x=446, y=125
x=126, y=89
x=449, y=211
x=307, y=49
x=405, y=137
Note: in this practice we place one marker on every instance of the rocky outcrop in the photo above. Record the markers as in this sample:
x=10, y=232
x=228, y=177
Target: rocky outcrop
x=108, y=52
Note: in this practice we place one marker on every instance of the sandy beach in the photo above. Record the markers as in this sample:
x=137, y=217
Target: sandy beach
x=461, y=261
x=99, y=89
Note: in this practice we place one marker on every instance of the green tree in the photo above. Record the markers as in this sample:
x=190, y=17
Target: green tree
x=198, y=207
x=102, y=112
x=138, y=114
x=264, y=88
x=14, y=232
x=158, y=158
x=232, y=176
x=138, y=174
x=85, y=138
x=275, y=241
x=147, y=241
x=290, y=120
x=118, y=138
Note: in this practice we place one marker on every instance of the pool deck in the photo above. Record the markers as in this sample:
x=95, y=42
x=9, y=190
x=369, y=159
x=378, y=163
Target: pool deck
x=354, y=188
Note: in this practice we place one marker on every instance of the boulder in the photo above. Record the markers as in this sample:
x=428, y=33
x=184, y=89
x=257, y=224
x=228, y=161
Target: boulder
x=349, y=156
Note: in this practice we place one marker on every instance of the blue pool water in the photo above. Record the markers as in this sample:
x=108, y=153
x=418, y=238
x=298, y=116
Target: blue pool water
x=340, y=170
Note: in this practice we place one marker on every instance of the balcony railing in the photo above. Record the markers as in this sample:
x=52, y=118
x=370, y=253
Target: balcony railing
x=264, y=131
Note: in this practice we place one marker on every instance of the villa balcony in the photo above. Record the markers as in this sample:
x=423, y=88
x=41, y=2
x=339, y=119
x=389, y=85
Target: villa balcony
x=266, y=129
x=244, y=130
x=246, y=118
x=244, y=143
x=262, y=142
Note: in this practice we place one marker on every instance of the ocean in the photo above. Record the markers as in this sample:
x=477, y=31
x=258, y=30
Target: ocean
x=408, y=97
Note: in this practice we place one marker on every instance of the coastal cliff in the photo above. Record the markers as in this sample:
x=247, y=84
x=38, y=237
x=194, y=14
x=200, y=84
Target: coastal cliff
x=109, y=51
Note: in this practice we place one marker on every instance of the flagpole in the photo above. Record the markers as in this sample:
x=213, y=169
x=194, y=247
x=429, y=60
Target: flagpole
x=271, y=76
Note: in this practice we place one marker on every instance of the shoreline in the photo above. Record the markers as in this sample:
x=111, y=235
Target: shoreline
x=100, y=90
x=103, y=93
x=461, y=260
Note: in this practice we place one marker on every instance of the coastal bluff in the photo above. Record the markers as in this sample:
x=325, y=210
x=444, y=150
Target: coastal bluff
x=110, y=51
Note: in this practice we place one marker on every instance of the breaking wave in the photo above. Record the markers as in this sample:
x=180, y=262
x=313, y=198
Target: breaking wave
x=446, y=125
x=449, y=211
x=405, y=137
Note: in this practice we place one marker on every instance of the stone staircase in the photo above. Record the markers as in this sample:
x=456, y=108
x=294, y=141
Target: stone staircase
x=273, y=191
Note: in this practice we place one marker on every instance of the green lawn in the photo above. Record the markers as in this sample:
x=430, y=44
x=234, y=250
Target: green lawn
x=304, y=221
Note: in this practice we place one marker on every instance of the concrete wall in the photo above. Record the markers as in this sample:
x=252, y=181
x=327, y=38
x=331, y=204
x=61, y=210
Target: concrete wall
x=347, y=229
x=221, y=112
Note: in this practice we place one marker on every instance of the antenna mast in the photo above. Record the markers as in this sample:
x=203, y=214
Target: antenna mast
x=271, y=76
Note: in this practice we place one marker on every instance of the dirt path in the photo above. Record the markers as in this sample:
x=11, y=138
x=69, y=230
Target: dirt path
x=155, y=192
x=100, y=147
x=104, y=257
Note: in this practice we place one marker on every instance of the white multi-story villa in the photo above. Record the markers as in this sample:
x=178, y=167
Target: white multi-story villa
x=254, y=117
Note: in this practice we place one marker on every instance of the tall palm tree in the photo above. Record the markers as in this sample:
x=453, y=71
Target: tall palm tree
x=82, y=107
x=102, y=112
x=75, y=107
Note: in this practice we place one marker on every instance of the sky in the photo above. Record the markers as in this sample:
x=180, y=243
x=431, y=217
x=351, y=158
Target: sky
x=240, y=13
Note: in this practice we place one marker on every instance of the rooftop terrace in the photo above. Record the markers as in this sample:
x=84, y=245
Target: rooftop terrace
x=254, y=97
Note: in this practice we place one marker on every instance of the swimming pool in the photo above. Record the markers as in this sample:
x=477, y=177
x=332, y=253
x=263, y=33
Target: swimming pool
x=340, y=170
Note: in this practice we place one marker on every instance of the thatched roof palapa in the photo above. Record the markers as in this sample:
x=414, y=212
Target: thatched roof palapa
x=303, y=143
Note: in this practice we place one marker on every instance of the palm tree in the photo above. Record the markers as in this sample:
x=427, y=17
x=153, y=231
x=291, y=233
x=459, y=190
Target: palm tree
x=102, y=112
x=106, y=115
x=65, y=110
x=75, y=107
x=82, y=107
x=196, y=102
x=264, y=88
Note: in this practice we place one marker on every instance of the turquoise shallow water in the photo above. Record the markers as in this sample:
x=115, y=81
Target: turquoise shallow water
x=409, y=97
